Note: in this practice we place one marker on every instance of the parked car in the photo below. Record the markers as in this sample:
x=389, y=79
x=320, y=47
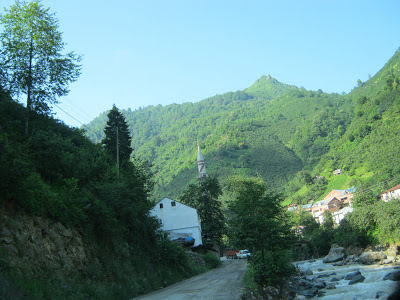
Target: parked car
x=232, y=254
x=243, y=254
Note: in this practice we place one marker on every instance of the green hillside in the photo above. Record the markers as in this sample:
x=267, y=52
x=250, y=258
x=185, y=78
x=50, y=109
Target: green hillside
x=270, y=129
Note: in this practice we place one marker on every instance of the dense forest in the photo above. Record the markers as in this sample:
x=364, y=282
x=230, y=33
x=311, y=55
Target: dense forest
x=280, y=132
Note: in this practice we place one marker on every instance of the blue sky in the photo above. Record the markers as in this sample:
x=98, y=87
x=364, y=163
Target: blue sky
x=140, y=53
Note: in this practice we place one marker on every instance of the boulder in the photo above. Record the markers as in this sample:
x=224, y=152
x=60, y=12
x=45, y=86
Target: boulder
x=319, y=284
x=305, y=283
x=372, y=257
x=393, y=250
x=334, y=279
x=330, y=286
x=395, y=276
x=309, y=293
x=335, y=254
x=380, y=295
x=356, y=279
x=351, y=275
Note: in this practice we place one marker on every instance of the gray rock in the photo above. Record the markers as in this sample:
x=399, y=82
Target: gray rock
x=319, y=284
x=309, y=293
x=356, y=279
x=351, y=275
x=393, y=250
x=331, y=286
x=371, y=257
x=305, y=283
x=308, y=272
x=335, y=254
x=334, y=279
x=380, y=295
x=395, y=276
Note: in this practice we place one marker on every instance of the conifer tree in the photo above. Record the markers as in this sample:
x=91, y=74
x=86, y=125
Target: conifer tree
x=117, y=139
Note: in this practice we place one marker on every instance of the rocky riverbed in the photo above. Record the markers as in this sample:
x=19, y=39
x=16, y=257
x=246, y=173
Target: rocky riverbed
x=345, y=281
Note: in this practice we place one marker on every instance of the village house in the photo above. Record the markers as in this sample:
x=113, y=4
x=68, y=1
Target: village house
x=393, y=193
x=334, y=201
x=306, y=207
x=181, y=221
x=178, y=220
x=292, y=207
x=337, y=172
x=339, y=215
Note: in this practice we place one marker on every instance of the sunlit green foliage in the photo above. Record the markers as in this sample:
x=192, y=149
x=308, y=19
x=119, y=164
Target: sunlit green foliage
x=32, y=62
x=257, y=222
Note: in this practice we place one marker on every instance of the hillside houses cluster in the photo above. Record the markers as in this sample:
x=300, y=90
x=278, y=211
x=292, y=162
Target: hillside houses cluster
x=339, y=203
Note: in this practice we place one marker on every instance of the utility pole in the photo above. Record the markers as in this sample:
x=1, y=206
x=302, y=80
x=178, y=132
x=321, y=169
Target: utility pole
x=117, y=154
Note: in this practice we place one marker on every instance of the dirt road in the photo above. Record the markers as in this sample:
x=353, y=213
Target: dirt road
x=223, y=283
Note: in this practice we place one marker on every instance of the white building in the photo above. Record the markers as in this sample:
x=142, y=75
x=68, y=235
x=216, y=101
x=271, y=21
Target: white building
x=178, y=220
x=339, y=215
x=390, y=194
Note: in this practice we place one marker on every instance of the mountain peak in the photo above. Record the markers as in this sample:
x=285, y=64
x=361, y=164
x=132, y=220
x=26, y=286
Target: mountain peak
x=268, y=87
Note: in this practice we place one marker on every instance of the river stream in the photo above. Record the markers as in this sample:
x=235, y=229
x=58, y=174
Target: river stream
x=373, y=286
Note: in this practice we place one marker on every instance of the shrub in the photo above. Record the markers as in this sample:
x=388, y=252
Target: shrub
x=211, y=260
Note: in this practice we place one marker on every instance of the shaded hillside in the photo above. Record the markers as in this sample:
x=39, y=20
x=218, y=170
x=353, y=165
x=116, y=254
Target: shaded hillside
x=270, y=129
x=64, y=211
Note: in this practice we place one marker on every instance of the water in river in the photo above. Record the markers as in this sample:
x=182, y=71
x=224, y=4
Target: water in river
x=373, y=286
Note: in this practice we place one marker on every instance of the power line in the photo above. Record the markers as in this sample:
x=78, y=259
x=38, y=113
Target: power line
x=87, y=128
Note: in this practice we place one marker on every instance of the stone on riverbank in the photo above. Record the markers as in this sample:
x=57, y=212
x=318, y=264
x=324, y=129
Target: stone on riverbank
x=395, y=276
x=369, y=258
x=335, y=254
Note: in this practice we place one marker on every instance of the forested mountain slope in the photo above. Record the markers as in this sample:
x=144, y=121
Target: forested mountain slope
x=271, y=129
x=368, y=150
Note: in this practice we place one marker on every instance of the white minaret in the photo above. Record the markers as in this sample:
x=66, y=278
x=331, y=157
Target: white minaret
x=200, y=164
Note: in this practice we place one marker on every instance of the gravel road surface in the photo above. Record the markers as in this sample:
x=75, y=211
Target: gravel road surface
x=223, y=283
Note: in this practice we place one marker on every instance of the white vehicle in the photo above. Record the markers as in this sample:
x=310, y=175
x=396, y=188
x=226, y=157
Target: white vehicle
x=243, y=254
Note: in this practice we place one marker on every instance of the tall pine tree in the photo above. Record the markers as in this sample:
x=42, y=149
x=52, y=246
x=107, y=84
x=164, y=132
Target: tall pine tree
x=117, y=140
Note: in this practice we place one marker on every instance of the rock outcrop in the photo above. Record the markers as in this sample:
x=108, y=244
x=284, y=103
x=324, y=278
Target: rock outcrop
x=371, y=257
x=335, y=254
x=34, y=243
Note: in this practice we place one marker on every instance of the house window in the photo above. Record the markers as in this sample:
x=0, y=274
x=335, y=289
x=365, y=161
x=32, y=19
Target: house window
x=161, y=205
x=173, y=203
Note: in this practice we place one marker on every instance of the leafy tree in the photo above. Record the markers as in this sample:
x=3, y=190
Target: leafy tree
x=364, y=198
x=31, y=59
x=117, y=138
x=258, y=223
x=328, y=220
x=204, y=197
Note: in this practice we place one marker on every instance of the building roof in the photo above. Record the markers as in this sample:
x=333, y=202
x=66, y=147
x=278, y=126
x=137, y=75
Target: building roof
x=306, y=206
x=343, y=192
x=172, y=200
x=344, y=211
x=390, y=190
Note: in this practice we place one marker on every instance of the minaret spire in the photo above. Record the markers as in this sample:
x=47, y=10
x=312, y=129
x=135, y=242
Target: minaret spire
x=200, y=164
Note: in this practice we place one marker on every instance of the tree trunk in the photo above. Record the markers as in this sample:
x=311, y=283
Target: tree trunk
x=29, y=90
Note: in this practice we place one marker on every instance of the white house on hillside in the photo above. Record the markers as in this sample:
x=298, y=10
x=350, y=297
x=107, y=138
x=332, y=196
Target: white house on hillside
x=178, y=220
x=390, y=194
